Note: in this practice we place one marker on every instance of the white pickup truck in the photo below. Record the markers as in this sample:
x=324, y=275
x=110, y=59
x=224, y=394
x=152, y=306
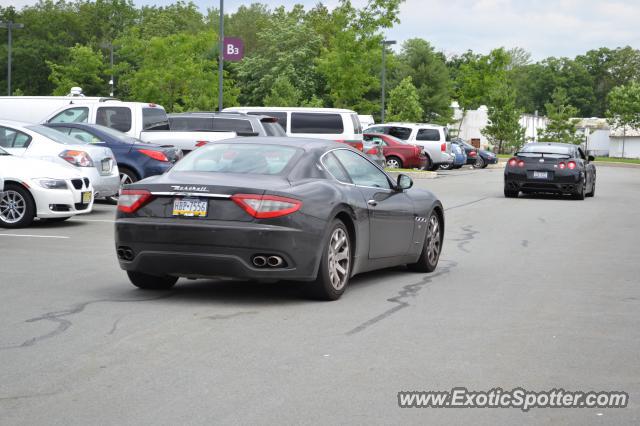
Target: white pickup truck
x=145, y=121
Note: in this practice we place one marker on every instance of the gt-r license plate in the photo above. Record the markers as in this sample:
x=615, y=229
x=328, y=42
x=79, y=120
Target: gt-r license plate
x=86, y=197
x=190, y=207
x=540, y=175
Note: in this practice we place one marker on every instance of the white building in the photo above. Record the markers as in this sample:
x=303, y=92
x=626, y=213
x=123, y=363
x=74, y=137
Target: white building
x=470, y=126
x=624, y=143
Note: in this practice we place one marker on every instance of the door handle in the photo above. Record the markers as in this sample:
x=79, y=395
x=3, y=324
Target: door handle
x=372, y=203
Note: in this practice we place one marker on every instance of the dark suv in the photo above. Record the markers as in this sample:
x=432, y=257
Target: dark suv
x=242, y=124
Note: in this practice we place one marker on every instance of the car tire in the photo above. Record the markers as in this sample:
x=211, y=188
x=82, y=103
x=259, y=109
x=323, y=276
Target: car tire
x=509, y=193
x=581, y=192
x=447, y=166
x=330, y=283
x=393, y=162
x=17, y=208
x=428, y=260
x=126, y=176
x=427, y=164
x=151, y=282
x=593, y=189
x=479, y=163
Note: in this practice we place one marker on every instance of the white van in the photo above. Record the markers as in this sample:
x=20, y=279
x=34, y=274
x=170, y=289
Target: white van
x=341, y=125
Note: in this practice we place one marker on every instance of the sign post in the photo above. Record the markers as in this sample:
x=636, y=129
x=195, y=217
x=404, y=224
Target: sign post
x=221, y=55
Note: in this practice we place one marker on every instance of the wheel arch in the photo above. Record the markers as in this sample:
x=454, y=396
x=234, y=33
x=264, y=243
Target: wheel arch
x=24, y=186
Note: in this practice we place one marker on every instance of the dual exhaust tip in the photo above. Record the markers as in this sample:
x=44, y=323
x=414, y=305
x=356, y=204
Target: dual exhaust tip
x=125, y=253
x=261, y=261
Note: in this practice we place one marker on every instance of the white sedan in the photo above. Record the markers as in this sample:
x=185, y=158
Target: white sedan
x=36, y=188
x=93, y=161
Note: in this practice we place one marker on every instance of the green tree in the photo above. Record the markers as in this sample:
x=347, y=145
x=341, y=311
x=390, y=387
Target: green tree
x=404, y=102
x=346, y=62
x=85, y=68
x=289, y=49
x=430, y=76
x=504, y=129
x=176, y=71
x=562, y=122
x=624, y=108
x=283, y=94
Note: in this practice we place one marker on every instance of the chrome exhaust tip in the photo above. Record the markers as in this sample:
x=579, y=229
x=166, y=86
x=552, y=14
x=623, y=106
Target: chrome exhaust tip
x=259, y=261
x=275, y=261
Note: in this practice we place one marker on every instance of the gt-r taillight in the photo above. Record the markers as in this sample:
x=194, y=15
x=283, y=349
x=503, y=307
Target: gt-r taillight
x=77, y=158
x=562, y=165
x=520, y=163
x=571, y=165
x=266, y=206
x=130, y=200
x=513, y=162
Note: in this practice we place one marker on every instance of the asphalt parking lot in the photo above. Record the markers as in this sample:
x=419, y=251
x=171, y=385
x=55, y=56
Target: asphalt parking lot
x=536, y=292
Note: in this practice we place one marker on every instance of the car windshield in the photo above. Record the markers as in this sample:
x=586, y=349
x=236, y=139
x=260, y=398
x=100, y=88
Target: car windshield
x=56, y=136
x=273, y=129
x=538, y=150
x=238, y=158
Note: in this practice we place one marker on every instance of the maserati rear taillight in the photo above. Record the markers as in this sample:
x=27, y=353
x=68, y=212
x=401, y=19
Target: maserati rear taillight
x=266, y=206
x=130, y=200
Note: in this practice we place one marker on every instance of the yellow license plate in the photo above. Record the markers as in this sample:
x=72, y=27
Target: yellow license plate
x=190, y=207
x=86, y=197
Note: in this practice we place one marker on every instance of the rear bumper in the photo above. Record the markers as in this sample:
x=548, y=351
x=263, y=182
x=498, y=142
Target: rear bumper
x=559, y=184
x=443, y=158
x=197, y=248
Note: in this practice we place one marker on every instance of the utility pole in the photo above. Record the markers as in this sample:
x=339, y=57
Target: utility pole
x=221, y=58
x=385, y=43
x=109, y=45
x=10, y=26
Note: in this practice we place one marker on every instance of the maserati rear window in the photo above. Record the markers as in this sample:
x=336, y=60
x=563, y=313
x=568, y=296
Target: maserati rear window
x=238, y=158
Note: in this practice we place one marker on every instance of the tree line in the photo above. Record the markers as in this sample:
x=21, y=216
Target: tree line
x=297, y=57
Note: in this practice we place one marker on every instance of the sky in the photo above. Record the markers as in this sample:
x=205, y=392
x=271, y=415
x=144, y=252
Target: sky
x=543, y=27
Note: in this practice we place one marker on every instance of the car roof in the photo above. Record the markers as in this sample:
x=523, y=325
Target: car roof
x=293, y=109
x=228, y=114
x=15, y=123
x=567, y=145
x=305, y=143
x=398, y=123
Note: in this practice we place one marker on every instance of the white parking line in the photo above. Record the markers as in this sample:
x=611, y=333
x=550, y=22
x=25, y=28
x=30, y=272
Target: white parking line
x=94, y=220
x=34, y=236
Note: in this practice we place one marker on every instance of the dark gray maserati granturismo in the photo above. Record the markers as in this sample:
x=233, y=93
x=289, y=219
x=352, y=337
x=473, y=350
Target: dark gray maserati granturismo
x=272, y=209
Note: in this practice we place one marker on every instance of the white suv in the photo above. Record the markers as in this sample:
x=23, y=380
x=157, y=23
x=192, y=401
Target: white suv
x=433, y=139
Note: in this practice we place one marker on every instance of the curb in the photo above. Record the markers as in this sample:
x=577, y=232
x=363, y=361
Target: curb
x=413, y=175
x=616, y=164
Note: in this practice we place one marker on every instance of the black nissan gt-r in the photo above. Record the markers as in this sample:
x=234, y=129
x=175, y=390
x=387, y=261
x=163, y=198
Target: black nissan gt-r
x=275, y=209
x=550, y=167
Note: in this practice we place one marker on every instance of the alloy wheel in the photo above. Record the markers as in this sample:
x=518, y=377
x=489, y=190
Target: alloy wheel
x=13, y=207
x=433, y=240
x=392, y=163
x=339, y=258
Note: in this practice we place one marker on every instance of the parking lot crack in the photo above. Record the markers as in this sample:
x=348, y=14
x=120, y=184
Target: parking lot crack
x=406, y=293
x=467, y=236
x=229, y=316
x=63, y=324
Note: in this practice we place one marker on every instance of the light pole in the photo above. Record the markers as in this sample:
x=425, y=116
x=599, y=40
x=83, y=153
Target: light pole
x=10, y=25
x=385, y=43
x=110, y=46
x=221, y=58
